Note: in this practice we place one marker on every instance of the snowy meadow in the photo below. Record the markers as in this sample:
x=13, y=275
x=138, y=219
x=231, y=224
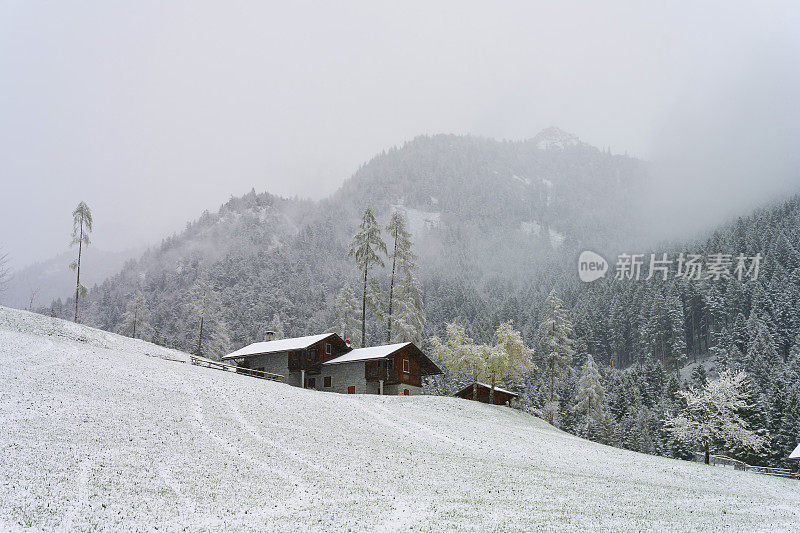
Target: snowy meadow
x=104, y=432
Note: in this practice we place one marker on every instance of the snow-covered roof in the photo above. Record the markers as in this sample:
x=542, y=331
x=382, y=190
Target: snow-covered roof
x=481, y=384
x=796, y=453
x=367, y=354
x=281, y=345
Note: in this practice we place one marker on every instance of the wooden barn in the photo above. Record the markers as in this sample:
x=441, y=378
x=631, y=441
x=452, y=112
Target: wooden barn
x=501, y=396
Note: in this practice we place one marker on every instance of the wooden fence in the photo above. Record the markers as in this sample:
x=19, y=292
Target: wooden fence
x=724, y=460
x=210, y=363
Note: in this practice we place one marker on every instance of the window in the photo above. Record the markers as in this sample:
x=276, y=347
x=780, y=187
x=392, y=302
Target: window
x=312, y=383
x=312, y=354
x=406, y=366
x=390, y=364
x=405, y=392
x=326, y=381
x=327, y=348
x=351, y=389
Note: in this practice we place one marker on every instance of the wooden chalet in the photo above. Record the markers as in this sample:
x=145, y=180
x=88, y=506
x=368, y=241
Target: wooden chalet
x=501, y=396
x=299, y=359
x=388, y=369
x=326, y=362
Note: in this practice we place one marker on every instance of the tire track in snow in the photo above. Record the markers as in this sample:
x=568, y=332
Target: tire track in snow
x=406, y=424
x=290, y=504
x=81, y=496
x=261, y=437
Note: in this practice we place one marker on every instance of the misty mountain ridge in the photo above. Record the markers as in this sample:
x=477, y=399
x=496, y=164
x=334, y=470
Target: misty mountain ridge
x=488, y=217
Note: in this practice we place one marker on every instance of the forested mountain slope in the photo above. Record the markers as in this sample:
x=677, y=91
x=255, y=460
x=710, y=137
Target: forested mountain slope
x=101, y=432
x=486, y=217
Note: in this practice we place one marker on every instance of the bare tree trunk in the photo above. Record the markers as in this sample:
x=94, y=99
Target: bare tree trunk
x=475, y=386
x=707, y=454
x=364, y=311
x=78, y=282
x=200, y=339
x=135, y=317
x=491, y=392
x=391, y=291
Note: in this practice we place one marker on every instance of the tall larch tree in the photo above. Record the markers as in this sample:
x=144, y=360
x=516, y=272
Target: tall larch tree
x=366, y=246
x=206, y=314
x=81, y=228
x=401, y=252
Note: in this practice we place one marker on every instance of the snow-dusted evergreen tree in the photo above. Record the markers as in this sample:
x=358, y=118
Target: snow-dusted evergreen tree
x=460, y=354
x=555, y=343
x=401, y=252
x=366, y=246
x=136, y=320
x=346, y=312
x=81, y=228
x=5, y=271
x=409, y=323
x=507, y=358
x=712, y=415
x=206, y=314
x=276, y=327
x=762, y=357
x=591, y=397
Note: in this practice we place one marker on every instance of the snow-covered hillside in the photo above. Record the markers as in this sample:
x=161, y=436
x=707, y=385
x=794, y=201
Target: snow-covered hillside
x=100, y=431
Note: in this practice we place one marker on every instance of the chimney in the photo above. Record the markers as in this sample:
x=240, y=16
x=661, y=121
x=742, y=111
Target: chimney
x=269, y=336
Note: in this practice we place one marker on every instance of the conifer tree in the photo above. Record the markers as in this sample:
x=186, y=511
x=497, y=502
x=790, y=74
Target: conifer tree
x=206, y=313
x=401, y=251
x=81, y=228
x=591, y=396
x=136, y=321
x=762, y=357
x=409, y=322
x=556, y=342
x=276, y=326
x=347, y=314
x=5, y=271
x=366, y=245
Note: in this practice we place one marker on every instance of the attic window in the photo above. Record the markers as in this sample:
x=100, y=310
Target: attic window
x=327, y=348
x=406, y=366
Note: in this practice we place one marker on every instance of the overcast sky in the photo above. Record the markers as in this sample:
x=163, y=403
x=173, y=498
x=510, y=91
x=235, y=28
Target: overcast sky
x=154, y=111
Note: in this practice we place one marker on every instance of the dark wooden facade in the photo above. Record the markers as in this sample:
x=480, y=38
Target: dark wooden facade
x=501, y=397
x=403, y=367
x=311, y=358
